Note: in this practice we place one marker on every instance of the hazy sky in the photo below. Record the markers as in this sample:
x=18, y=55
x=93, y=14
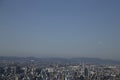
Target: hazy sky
x=60, y=28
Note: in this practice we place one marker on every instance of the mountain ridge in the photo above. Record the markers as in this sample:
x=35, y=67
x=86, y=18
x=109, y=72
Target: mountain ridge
x=61, y=60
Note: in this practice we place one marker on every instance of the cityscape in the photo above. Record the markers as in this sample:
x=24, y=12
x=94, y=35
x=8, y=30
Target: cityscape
x=59, y=39
x=15, y=68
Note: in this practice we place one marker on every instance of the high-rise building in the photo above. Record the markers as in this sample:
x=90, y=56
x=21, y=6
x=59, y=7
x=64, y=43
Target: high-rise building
x=81, y=78
x=86, y=72
x=1, y=70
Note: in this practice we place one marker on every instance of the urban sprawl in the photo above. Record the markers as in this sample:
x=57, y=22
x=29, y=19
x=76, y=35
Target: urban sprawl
x=11, y=70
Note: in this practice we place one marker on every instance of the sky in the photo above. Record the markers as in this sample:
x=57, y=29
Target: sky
x=60, y=28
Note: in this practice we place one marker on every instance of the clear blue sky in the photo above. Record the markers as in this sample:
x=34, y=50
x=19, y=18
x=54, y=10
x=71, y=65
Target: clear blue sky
x=60, y=28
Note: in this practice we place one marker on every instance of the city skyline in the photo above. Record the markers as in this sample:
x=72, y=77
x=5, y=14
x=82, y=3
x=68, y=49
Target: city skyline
x=64, y=28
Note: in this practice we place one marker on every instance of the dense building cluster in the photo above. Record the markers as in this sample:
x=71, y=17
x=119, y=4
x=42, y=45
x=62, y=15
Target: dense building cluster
x=58, y=71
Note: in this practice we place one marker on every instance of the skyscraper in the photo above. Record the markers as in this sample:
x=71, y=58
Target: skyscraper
x=86, y=72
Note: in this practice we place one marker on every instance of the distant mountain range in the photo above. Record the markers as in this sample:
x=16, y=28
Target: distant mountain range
x=61, y=60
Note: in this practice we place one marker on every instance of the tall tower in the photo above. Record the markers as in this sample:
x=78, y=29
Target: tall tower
x=83, y=67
